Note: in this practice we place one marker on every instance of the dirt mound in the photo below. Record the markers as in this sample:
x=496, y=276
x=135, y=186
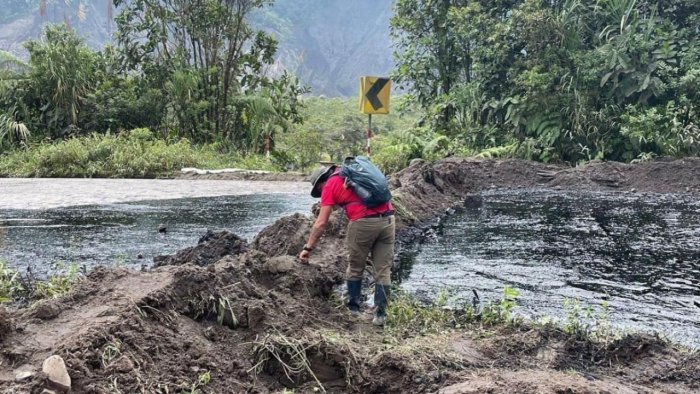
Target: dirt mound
x=286, y=237
x=6, y=325
x=660, y=176
x=210, y=248
x=425, y=191
x=256, y=320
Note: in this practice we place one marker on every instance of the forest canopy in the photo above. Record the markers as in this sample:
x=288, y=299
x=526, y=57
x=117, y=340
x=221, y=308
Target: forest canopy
x=554, y=81
x=566, y=80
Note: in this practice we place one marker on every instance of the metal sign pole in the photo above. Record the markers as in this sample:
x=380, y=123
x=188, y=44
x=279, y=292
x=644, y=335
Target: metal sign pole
x=369, y=136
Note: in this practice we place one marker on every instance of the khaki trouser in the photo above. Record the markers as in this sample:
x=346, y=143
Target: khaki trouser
x=374, y=235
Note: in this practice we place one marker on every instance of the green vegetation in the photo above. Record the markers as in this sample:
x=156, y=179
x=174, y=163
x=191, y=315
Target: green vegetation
x=199, y=77
x=202, y=381
x=408, y=317
x=585, y=322
x=111, y=352
x=14, y=286
x=555, y=81
x=335, y=128
x=56, y=285
x=564, y=80
x=10, y=286
x=135, y=154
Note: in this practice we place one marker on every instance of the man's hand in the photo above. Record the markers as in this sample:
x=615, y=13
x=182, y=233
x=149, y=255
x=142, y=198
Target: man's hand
x=316, y=232
x=304, y=256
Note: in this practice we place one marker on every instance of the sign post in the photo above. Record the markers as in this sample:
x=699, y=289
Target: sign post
x=374, y=99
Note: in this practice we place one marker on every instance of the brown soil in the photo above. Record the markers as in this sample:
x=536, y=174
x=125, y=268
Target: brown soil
x=259, y=321
x=210, y=248
x=426, y=190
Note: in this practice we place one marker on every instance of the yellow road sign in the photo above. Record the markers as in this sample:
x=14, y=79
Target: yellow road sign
x=374, y=95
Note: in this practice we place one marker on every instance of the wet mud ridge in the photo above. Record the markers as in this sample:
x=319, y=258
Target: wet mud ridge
x=228, y=317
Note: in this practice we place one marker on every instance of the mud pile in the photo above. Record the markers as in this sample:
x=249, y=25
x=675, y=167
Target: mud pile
x=425, y=191
x=210, y=248
x=256, y=320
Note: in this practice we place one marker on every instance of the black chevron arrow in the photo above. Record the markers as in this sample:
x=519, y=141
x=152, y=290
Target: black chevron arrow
x=374, y=91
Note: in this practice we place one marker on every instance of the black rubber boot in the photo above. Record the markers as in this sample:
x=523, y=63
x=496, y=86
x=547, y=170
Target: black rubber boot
x=354, y=295
x=381, y=300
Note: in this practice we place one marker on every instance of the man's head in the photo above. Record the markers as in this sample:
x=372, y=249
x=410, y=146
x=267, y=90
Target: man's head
x=318, y=179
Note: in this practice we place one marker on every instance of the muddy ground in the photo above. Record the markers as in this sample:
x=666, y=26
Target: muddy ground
x=257, y=321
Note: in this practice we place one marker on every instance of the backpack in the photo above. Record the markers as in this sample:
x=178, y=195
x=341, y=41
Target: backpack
x=366, y=180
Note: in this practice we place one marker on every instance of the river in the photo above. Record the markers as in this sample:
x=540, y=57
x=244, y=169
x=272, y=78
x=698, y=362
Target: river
x=50, y=224
x=640, y=253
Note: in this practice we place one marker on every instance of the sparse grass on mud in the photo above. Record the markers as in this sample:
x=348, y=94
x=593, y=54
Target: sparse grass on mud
x=135, y=154
x=585, y=331
x=15, y=287
x=10, y=286
x=407, y=316
x=336, y=355
x=420, y=341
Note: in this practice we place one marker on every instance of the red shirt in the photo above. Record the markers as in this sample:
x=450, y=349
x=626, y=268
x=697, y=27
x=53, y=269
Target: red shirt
x=335, y=193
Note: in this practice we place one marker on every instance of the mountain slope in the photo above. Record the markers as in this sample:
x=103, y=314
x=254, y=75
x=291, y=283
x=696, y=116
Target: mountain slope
x=329, y=44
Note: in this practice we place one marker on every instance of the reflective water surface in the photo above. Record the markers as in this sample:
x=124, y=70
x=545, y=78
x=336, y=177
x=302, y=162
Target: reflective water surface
x=117, y=234
x=640, y=253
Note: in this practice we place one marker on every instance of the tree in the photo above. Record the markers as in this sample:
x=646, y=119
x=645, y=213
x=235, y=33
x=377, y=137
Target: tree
x=62, y=73
x=206, y=56
x=432, y=59
x=562, y=80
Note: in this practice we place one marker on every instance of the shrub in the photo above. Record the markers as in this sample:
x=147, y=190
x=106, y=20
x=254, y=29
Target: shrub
x=134, y=154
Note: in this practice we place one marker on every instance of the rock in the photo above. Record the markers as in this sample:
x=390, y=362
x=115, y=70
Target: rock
x=24, y=375
x=162, y=228
x=139, y=256
x=46, y=310
x=56, y=373
x=47, y=391
x=280, y=264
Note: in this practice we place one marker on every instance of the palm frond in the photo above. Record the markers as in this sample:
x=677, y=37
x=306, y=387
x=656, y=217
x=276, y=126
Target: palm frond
x=12, y=130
